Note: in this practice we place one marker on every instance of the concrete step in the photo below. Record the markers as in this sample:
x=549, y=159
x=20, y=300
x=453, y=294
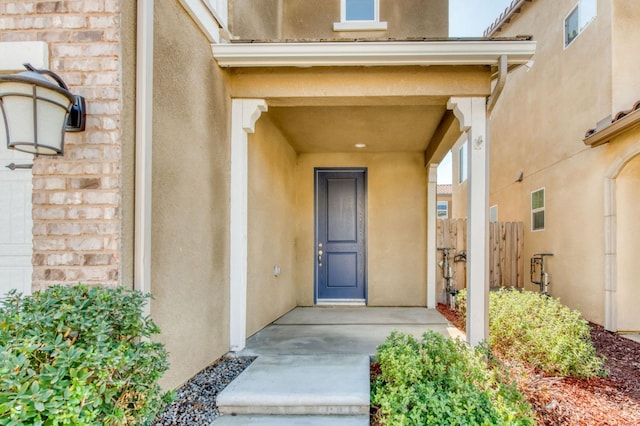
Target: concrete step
x=291, y=420
x=300, y=385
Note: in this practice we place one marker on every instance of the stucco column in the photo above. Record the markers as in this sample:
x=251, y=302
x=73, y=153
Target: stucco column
x=432, y=275
x=471, y=113
x=244, y=114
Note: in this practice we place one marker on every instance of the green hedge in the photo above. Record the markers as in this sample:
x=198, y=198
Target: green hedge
x=438, y=381
x=539, y=330
x=79, y=355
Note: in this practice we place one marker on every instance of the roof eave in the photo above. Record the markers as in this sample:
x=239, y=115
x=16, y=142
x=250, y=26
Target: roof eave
x=336, y=54
x=615, y=129
x=505, y=17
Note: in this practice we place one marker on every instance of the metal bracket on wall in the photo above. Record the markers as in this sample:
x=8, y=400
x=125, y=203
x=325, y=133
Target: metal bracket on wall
x=14, y=166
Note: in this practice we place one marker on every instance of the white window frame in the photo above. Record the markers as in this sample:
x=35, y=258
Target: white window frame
x=359, y=25
x=445, y=210
x=463, y=162
x=493, y=213
x=584, y=19
x=539, y=209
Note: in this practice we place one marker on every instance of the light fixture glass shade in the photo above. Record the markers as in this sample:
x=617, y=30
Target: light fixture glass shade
x=33, y=113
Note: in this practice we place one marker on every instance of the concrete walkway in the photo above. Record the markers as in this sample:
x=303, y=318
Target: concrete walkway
x=313, y=365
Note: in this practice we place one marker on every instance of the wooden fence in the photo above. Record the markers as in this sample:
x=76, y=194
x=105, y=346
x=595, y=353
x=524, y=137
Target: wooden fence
x=506, y=264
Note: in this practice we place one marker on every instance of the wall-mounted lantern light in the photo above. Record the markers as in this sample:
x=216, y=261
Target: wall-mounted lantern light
x=35, y=112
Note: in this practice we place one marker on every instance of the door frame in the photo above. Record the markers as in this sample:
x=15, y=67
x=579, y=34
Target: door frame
x=316, y=172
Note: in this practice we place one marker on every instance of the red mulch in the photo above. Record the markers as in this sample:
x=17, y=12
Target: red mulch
x=614, y=400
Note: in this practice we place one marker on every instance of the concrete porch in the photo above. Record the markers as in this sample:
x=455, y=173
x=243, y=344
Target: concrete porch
x=313, y=365
x=342, y=330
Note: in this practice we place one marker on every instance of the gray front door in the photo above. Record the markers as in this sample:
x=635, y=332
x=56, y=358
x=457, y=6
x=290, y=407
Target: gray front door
x=341, y=235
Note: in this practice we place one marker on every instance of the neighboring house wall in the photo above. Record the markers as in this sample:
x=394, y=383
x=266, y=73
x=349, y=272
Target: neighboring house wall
x=271, y=227
x=396, y=225
x=537, y=128
x=190, y=178
x=303, y=19
x=443, y=200
x=79, y=215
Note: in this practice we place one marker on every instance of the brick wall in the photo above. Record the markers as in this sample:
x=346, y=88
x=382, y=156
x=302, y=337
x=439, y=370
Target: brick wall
x=76, y=198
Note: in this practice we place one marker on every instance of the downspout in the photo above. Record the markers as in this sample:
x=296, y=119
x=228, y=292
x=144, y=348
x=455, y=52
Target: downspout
x=280, y=20
x=502, y=81
x=144, y=133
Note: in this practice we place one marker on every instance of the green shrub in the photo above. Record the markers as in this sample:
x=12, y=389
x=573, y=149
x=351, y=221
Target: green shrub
x=539, y=330
x=80, y=356
x=439, y=381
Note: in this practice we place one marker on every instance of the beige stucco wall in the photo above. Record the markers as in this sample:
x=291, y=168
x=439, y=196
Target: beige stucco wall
x=537, y=128
x=396, y=226
x=304, y=19
x=271, y=226
x=190, y=183
x=255, y=20
x=626, y=39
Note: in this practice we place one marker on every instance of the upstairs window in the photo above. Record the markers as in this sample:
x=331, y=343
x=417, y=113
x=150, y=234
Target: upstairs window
x=359, y=15
x=537, y=210
x=359, y=10
x=581, y=15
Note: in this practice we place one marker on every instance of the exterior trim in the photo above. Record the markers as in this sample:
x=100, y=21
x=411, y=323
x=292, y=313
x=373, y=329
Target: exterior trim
x=341, y=302
x=470, y=52
x=505, y=17
x=471, y=114
x=617, y=128
x=144, y=141
x=432, y=274
x=359, y=26
x=244, y=114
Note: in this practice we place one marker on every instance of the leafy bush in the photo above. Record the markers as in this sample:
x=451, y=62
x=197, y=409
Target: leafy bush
x=439, y=381
x=79, y=355
x=538, y=330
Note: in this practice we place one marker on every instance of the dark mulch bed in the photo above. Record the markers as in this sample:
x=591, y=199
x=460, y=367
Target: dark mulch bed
x=614, y=400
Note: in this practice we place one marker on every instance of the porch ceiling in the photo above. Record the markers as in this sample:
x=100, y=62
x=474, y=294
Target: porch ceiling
x=383, y=128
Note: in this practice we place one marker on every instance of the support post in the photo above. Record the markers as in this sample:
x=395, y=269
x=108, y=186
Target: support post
x=432, y=272
x=244, y=114
x=471, y=113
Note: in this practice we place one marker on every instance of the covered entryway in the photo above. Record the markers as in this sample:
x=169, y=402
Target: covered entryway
x=394, y=117
x=16, y=225
x=340, y=275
